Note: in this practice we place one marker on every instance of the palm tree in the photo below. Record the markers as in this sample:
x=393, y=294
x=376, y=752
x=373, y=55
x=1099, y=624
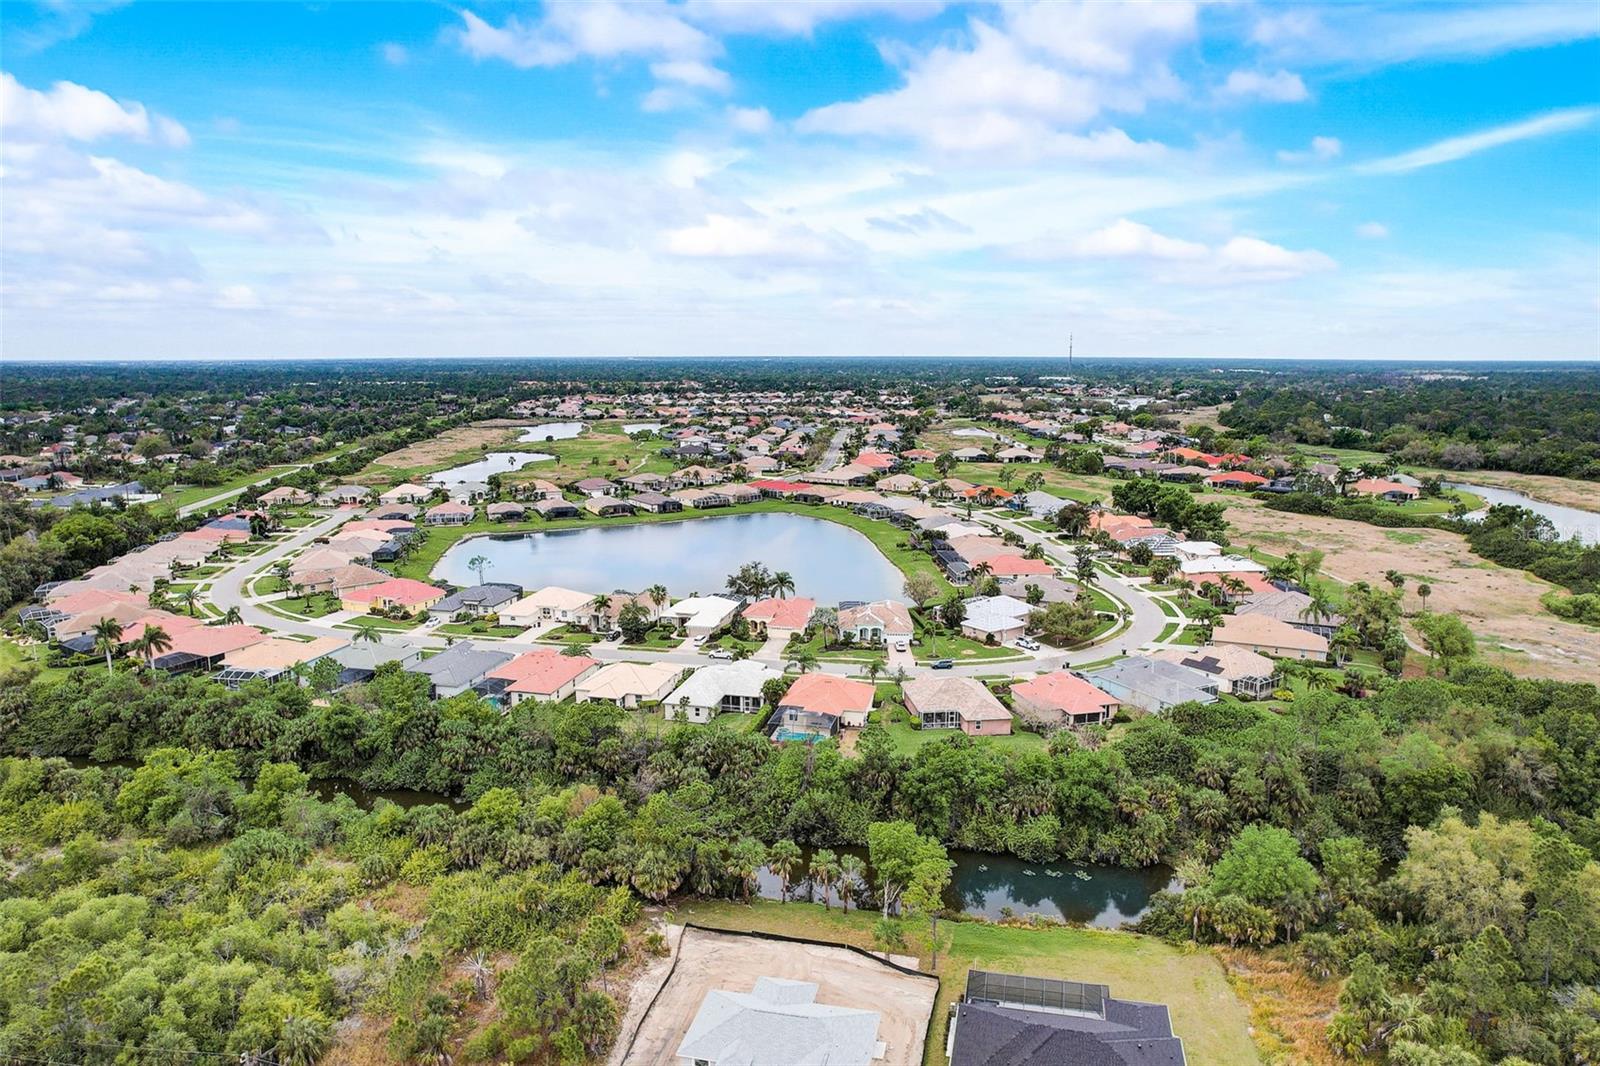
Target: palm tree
x=190, y=598
x=804, y=659
x=782, y=584
x=658, y=595
x=1319, y=606
x=824, y=869
x=107, y=638
x=852, y=874
x=366, y=631
x=782, y=860
x=1073, y=519
x=152, y=642
x=874, y=667
x=1034, y=551
x=1424, y=590
x=478, y=564
x=233, y=617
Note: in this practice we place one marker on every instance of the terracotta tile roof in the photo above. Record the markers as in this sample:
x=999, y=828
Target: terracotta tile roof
x=1064, y=692
x=782, y=613
x=401, y=590
x=828, y=694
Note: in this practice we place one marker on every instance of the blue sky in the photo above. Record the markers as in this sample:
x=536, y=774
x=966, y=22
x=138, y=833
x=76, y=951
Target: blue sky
x=836, y=177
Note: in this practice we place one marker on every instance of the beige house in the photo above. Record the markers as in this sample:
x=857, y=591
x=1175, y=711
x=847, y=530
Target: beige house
x=882, y=620
x=629, y=684
x=551, y=604
x=962, y=703
x=1269, y=636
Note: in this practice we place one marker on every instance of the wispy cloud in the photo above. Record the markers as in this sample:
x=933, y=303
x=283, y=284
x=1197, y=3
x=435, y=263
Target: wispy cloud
x=1453, y=148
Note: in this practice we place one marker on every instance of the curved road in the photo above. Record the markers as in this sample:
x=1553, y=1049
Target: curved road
x=227, y=590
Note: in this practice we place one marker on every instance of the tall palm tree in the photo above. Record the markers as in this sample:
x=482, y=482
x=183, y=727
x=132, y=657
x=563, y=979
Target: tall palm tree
x=478, y=564
x=366, y=631
x=190, y=598
x=1424, y=590
x=107, y=638
x=1073, y=519
x=658, y=595
x=782, y=584
x=1319, y=607
x=805, y=659
x=852, y=874
x=599, y=605
x=232, y=617
x=874, y=667
x=153, y=642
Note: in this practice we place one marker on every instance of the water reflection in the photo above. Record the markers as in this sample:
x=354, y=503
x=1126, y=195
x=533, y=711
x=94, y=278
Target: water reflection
x=551, y=431
x=492, y=463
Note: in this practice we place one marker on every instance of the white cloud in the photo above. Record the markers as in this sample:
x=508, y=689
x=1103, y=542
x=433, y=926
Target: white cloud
x=69, y=111
x=1372, y=231
x=920, y=221
x=394, y=54
x=750, y=119
x=1279, y=87
x=1178, y=260
x=601, y=29
x=693, y=73
x=796, y=17
x=726, y=237
x=1104, y=38
x=1363, y=34
x=238, y=298
x=1454, y=148
x=1321, y=150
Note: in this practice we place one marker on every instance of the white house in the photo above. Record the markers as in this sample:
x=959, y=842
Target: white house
x=723, y=688
x=549, y=604
x=703, y=615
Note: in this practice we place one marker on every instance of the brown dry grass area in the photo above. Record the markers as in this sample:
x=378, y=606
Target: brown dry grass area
x=1202, y=416
x=1289, y=1011
x=447, y=445
x=1500, y=605
x=1566, y=492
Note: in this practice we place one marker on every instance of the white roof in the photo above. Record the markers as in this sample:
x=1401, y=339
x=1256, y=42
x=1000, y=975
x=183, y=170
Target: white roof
x=779, y=1021
x=1199, y=549
x=711, y=683
x=556, y=597
x=703, y=610
x=993, y=613
x=1222, y=564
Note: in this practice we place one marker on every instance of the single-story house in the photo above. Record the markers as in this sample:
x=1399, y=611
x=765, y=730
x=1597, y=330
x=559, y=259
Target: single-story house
x=655, y=503
x=1153, y=684
x=551, y=508
x=645, y=482
x=723, y=688
x=702, y=615
x=607, y=506
x=879, y=621
x=905, y=483
x=396, y=592
x=359, y=660
x=776, y=617
x=274, y=658
x=629, y=684
x=1394, y=491
x=549, y=604
x=539, y=489
x=1062, y=698
x=1238, y=670
x=286, y=494
x=1236, y=479
x=817, y=705
x=506, y=511
x=1269, y=636
x=1004, y=618
x=1053, y=589
x=695, y=476
x=1009, y=1019
x=1287, y=605
x=779, y=1020
x=338, y=579
x=449, y=513
x=477, y=600
x=458, y=668
x=1220, y=564
x=406, y=494
x=202, y=647
x=962, y=703
x=702, y=499
x=741, y=493
x=596, y=486
x=1019, y=454
x=545, y=675
x=343, y=494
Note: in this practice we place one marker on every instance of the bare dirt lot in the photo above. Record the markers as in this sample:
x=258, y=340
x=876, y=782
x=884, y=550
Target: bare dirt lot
x=449, y=444
x=708, y=960
x=1500, y=605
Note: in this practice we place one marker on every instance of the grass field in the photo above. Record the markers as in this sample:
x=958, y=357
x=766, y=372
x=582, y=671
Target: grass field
x=907, y=740
x=1212, y=1021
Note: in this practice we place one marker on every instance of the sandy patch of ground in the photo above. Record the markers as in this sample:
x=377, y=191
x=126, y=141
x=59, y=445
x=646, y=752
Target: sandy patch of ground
x=450, y=443
x=707, y=960
x=1202, y=416
x=1502, y=606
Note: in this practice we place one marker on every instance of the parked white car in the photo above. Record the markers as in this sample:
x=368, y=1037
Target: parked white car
x=719, y=653
x=900, y=645
x=1027, y=644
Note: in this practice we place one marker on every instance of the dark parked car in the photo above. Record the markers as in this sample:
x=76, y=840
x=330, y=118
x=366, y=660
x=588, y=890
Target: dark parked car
x=944, y=664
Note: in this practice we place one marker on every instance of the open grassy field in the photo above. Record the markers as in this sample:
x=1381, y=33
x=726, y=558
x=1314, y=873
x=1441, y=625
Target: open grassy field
x=1499, y=604
x=1206, y=1013
x=1085, y=488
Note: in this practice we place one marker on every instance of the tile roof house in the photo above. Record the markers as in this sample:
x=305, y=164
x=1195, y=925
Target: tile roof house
x=396, y=592
x=338, y=578
x=780, y=617
x=1287, y=605
x=506, y=511
x=1062, y=699
x=549, y=604
x=596, y=486
x=202, y=647
x=1269, y=636
x=880, y=620
x=655, y=502
x=449, y=513
x=962, y=703
x=546, y=675
x=778, y=1021
x=816, y=705
x=1236, y=479
x=722, y=688
x=703, y=615
x=629, y=684
x=902, y=483
x=274, y=658
x=555, y=507
x=1011, y=1020
x=605, y=506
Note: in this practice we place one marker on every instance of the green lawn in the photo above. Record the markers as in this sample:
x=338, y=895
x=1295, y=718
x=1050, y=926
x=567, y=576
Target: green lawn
x=1167, y=607
x=377, y=622
x=659, y=638
x=315, y=606
x=480, y=629
x=1212, y=1021
x=570, y=635
x=183, y=496
x=907, y=739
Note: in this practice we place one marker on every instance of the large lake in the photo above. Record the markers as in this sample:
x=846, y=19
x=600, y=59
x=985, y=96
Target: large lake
x=551, y=431
x=828, y=562
x=1568, y=521
x=492, y=463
